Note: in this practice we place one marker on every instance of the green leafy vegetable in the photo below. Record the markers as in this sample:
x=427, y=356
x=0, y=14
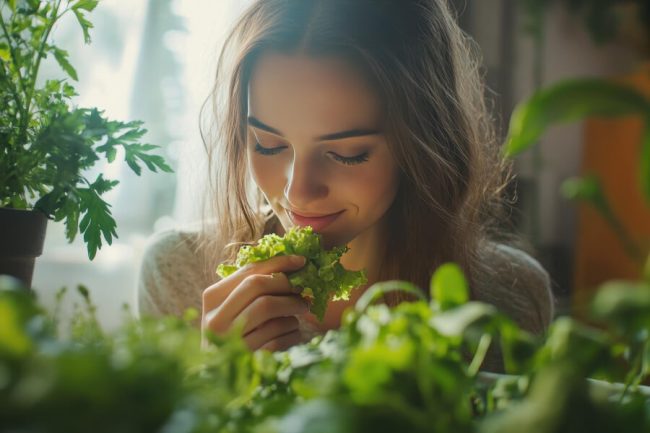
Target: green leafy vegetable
x=322, y=279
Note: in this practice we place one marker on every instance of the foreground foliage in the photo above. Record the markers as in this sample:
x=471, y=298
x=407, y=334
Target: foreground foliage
x=411, y=368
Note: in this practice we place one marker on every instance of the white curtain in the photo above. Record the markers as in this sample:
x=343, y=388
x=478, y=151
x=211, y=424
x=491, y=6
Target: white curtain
x=201, y=50
x=150, y=60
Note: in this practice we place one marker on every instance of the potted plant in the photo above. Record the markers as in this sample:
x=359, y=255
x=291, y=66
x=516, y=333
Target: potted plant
x=47, y=144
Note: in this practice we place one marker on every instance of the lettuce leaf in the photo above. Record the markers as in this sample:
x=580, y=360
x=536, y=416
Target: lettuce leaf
x=322, y=279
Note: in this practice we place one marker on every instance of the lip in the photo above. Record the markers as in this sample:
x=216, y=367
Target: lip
x=318, y=223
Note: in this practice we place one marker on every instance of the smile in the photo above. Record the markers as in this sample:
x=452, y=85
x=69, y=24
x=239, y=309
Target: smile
x=317, y=223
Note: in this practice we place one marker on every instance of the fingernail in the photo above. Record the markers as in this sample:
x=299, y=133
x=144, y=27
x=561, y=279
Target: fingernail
x=298, y=260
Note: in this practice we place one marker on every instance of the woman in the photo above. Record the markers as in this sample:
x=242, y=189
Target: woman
x=366, y=120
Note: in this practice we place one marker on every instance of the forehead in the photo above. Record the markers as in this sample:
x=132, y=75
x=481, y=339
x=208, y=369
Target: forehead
x=321, y=95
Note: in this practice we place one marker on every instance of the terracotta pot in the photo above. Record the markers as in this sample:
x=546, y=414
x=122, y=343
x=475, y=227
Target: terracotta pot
x=22, y=233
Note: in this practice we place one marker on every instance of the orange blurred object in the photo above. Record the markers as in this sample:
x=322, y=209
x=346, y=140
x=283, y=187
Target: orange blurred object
x=611, y=151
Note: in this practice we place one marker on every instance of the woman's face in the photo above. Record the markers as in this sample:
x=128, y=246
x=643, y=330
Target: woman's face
x=316, y=148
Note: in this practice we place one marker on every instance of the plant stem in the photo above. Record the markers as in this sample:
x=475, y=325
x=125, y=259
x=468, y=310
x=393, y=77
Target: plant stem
x=14, y=58
x=41, y=49
x=479, y=356
x=633, y=250
x=14, y=92
x=634, y=375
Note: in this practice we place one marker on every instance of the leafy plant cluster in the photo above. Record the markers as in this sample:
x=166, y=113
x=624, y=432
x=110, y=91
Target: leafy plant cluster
x=322, y=279
x=413, y=368
x=46, y=144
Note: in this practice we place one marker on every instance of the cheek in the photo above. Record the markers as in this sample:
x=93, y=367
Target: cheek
x=373, y=188
x=265, y=172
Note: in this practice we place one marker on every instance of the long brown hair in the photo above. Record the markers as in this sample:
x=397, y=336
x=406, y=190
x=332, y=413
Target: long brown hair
x=427, y=74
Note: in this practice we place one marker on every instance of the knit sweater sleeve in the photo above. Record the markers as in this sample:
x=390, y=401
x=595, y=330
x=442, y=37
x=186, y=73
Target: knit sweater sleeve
x=518, y=286
x=172, y=275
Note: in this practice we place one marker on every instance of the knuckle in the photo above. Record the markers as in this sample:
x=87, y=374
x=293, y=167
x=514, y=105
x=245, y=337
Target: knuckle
x=264, y=305
x=213, y=295
x=259, y=307
x=254, y=280
x=280, y=278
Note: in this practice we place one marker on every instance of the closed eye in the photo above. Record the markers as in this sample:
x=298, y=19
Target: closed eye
x=350, y=160
x=268, y=150
x=347, y=160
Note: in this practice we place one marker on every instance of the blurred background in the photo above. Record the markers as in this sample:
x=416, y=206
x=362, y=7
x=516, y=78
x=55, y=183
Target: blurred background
x=154, y=61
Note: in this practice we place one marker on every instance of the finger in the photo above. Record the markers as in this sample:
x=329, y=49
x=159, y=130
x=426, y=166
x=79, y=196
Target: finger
x=256, y=286
x=284, y=342
x=268, y=307
x=271, y=330
x=251, y=288
x=214, y=295
x=274, y=264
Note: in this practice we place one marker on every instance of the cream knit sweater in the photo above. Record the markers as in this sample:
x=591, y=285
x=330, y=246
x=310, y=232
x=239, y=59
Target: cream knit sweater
x=172, y=279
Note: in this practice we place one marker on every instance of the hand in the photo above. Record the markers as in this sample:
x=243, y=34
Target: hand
x=261, y=296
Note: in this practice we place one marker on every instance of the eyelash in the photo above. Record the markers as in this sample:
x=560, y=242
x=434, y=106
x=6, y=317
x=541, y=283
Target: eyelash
x=268, y=151
x=352, y=160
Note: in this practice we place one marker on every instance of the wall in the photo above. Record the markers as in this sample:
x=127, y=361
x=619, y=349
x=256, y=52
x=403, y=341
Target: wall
x=567, y=52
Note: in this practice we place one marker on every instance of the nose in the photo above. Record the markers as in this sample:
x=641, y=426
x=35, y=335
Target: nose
x=305, y=182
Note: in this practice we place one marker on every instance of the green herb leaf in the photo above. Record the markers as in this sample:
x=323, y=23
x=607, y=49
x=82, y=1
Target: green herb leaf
x=61, y=57
x=449, y=287
x=85, y=24
x=381, y=288
x=5, y=54
x=97, y=221
x=589, y=190
x=569, y=101
x=137, y=152
x=88, y=5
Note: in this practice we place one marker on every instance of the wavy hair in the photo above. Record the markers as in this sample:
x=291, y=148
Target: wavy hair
x=427, y=73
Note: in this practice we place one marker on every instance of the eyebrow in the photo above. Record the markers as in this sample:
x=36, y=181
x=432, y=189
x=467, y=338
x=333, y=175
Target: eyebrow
x=327, y=137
